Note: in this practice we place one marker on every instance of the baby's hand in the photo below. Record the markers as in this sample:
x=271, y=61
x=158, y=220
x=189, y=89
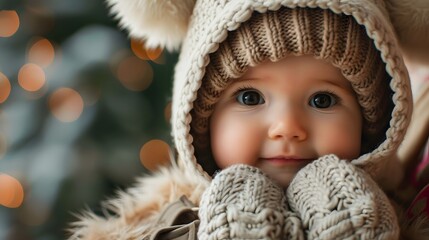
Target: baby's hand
x=242, y=203
x=336, y=200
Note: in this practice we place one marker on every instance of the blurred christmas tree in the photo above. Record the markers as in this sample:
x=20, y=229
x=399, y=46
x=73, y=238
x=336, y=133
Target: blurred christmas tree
x=78, y=101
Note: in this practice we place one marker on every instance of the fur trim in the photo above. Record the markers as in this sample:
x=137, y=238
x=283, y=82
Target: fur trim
x=133, y=213
x=411, y=22
x=160, y=23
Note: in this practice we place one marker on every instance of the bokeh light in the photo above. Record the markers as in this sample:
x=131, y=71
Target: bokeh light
x=167, y=112
x=134, y=73
x=142, y=52
x=9, y=23
x=31, y=77
x=41, y=52
x=11, y=191
x=5, y=88
x=66, y=104
x=155, y=153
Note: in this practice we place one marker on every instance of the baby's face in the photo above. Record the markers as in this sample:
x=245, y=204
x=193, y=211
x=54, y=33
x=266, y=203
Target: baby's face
x=281, y=116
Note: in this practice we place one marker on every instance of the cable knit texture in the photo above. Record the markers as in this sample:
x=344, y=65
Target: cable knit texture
x=242, y=203
x=336, y=200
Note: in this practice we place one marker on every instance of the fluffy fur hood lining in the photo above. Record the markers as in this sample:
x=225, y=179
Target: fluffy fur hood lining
x=134, y=211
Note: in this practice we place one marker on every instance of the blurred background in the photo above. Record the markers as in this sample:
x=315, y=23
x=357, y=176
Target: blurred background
x=84, y=110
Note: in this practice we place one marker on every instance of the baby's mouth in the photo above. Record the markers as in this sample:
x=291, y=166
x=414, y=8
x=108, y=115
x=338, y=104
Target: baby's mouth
x=287, y=160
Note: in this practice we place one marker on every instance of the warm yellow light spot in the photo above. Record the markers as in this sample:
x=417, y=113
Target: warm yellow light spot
x=154, y=154
x=134, y=74
x=160, y=60
x=144, y=53
x=11, y=191
x=66, y=104
x=31, y=77
x=9, y=23
x=167, y=112
x=5, y=88
x=42, y=52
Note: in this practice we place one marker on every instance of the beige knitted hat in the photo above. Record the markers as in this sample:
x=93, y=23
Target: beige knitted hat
x=224, y=37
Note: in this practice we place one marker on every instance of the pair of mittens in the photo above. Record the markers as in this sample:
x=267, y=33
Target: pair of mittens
x=242, y=203
x=328, y=199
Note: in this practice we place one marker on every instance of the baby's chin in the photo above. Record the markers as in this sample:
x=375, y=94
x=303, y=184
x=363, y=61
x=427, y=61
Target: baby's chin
x=282, y=181
x=282, y=176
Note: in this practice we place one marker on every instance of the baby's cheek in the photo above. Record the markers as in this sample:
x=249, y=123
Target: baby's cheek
x=233, y=145
x=344, y=143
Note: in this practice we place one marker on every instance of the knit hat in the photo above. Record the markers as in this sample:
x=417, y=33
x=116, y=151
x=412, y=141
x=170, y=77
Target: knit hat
x=220, y=30
x=274, y=35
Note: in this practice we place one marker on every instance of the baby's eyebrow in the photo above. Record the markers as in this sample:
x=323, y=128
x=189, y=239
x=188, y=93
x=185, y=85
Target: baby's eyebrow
x=244, y=78
x=343, y=84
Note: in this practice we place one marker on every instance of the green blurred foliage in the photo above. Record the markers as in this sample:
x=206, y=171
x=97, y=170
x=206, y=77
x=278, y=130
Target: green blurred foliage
x=68, y=167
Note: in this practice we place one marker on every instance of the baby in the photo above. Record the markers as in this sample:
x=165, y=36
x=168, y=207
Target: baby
x=286, y=118
x=286, y=88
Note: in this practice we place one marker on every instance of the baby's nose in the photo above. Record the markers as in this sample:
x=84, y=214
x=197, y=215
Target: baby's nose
x=288, y=124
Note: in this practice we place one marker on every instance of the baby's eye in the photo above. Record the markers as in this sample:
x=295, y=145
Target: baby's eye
x=323, y=100
x=250, y=97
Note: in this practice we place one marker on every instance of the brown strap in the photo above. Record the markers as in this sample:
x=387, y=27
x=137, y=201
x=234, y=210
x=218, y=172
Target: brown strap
x=178, y=232
x=178, y=221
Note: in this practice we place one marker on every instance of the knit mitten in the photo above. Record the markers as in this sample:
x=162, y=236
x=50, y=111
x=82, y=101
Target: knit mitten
x=242, y=203
x=336, y=200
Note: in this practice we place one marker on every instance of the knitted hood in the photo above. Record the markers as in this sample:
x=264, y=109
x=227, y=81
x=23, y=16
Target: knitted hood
x=213, y=20
x=209, y=25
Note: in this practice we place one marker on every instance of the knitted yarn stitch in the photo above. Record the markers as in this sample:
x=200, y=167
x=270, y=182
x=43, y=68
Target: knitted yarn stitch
x=336, y=200
x=242, y=203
